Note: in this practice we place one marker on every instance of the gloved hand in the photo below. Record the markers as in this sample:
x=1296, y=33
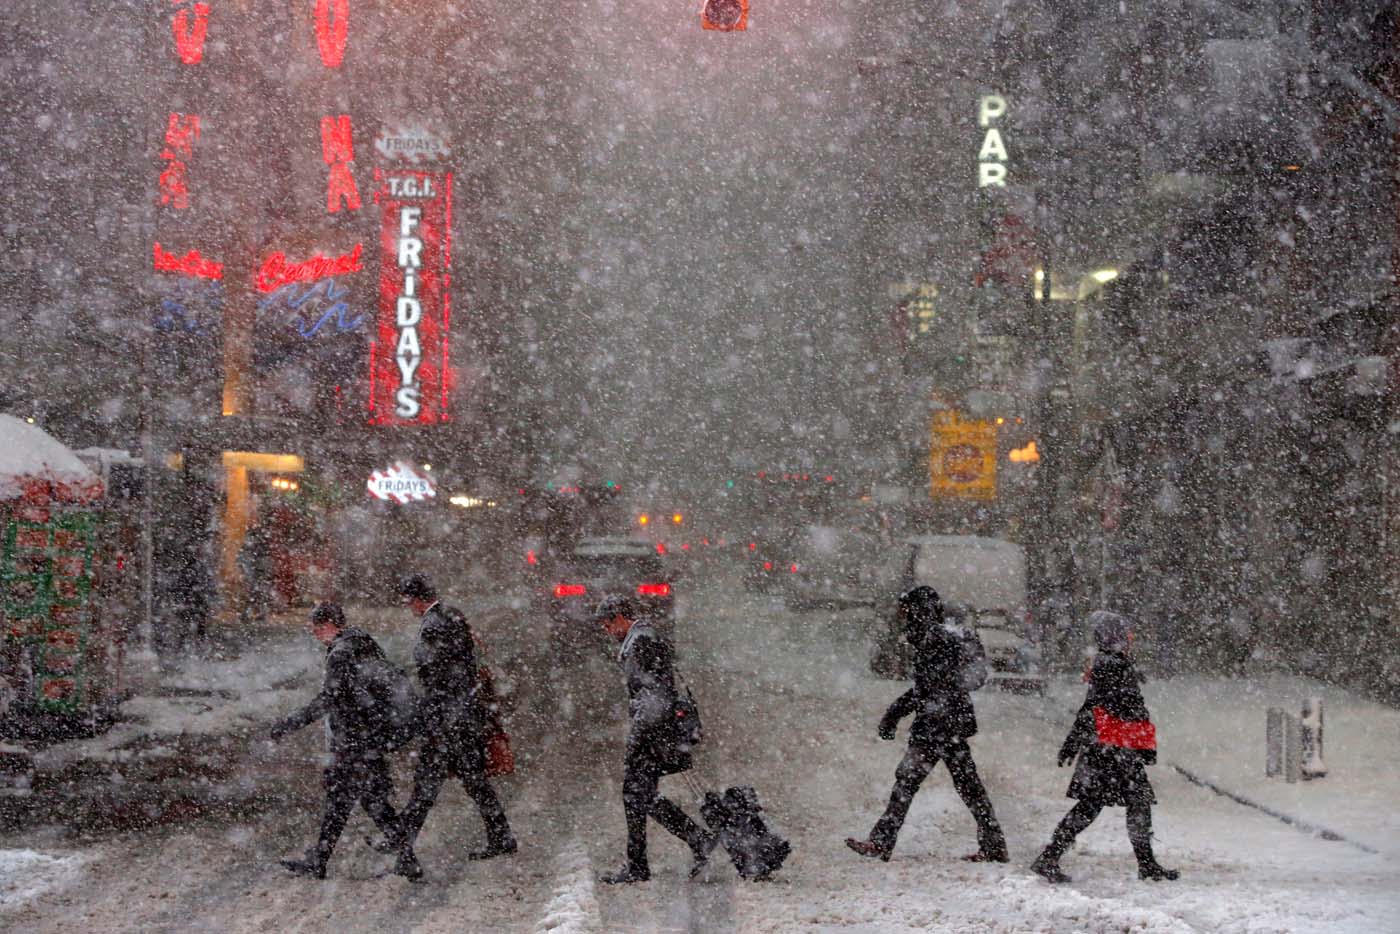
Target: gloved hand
x=888, y=729
x=1067, y=754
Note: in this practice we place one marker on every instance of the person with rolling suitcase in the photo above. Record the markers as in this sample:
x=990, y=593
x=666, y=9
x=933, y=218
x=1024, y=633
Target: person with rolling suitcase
x=945, y=670
x=661, y=729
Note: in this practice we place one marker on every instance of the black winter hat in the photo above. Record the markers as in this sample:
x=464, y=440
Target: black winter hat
x=922, y=605
x=615, y=605
x=417, y=587
x=328, y=613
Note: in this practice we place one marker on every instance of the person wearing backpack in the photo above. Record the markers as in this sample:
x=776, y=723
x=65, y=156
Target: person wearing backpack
x=662, y=725
x=456, y=726
x=1113, y=738
x=944, y=672
x=362, y=699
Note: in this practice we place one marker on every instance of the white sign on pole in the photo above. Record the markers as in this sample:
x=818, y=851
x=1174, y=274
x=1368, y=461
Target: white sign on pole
x=401, y=483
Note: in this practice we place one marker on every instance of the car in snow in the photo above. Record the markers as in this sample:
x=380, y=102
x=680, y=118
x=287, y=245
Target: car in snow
x=597, y=568
x=835, y=567
x=982, y=581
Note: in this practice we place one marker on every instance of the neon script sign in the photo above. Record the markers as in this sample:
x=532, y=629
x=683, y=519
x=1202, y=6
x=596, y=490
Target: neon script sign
x=277, y=272
x=191, y=264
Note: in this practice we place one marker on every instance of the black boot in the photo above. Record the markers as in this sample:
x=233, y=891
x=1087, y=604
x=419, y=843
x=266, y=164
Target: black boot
x=493, y=849
x=625, y=876
x=1152, y=872
x=312, y=866
x=867, y=848
x=1140, y=835
x=1047, y=866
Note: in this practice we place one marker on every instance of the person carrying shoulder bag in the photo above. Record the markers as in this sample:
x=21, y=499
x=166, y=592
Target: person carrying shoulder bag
x=662, y=726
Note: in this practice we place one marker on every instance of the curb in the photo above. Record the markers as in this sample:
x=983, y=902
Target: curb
x=1289, y=819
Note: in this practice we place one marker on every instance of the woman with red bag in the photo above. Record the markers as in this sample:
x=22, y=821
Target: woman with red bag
x=1114, y=738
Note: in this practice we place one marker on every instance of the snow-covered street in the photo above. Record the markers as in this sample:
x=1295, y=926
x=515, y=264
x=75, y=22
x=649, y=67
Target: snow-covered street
x=790, y=707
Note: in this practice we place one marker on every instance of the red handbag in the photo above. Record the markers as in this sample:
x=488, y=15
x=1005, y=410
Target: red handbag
x=500, y=758
x=1126, y=734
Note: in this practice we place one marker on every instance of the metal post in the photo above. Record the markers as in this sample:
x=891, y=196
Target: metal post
x=1311, y=724
x=1273, y=743
x=1292, y=749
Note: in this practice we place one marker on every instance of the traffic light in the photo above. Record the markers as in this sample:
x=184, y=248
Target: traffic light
x=725, y=15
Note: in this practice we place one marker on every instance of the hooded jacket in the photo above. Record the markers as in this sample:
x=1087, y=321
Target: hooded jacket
x=940, y=703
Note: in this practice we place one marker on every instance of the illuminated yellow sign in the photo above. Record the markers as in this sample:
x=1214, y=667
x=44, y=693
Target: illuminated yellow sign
x=962, y=457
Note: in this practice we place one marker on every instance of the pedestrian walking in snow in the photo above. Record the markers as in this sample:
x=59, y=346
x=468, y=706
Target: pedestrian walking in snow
x=941, y=704
x=369, y=705
x=1114, y=739
x=454, y=722
x=658, y=741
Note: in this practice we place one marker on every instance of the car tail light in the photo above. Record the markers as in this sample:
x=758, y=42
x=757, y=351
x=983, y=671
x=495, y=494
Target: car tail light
x=685, y=546
x=768, y=565
x=793, y=568
x=570, y=590
x=753, y=546
x=661, y=548
x=530, y=558
x=654, y=590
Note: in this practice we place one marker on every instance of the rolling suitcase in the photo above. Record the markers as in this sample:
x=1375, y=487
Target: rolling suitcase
x=736, y=817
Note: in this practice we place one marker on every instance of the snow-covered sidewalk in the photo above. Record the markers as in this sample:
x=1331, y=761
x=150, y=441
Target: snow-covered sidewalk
x=1213, y=728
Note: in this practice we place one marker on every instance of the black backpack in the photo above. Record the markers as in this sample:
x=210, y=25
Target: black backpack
x=395, y=710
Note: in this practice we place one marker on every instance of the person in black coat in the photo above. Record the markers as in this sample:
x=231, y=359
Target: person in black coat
x=454, y=724
x=356, y=704
x=656, y=741
x=943, y=721
x=1114, y=739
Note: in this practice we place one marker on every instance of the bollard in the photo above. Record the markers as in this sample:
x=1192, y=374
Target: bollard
x=1292, y=748
x=1273, y=743
x=1312, y=765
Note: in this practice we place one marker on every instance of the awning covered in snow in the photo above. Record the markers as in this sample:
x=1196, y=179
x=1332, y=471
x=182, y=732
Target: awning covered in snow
x=35, y=467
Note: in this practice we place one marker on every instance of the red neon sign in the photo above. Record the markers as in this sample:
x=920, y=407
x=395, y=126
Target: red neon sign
x=277, y=272
x=332, y=25
x=191, y=264
x=338, y=151
x=409, y=376
x=189, y=40
x=181, y=133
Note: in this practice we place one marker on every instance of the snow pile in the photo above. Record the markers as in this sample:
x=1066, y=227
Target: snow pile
x=573, y=909
x=29, y=452
x=25, y=874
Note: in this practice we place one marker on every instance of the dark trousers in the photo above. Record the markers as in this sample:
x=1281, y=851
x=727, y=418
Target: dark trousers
x=350, y=780
x=641, y=798
x=464, y=758
x=1082, y=815
x=912, y=771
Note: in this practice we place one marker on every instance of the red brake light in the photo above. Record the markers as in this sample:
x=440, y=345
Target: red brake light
x=753, y=546
x=793, y=569
x=654, y=590
x=570, y=590
x=530, y=557
x=685, y=546
x=768, y=565
x=661, y=548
